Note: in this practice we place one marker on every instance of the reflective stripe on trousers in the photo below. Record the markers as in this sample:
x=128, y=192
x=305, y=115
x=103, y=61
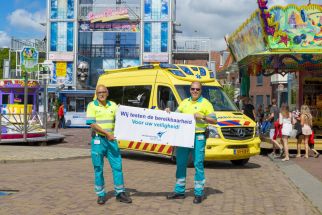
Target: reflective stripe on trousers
x=110, y=150
x=198, y=154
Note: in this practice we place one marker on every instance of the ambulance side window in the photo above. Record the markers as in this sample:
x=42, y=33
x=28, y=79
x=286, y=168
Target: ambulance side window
x=137, y=96
x=165, y=95
x=115, y=94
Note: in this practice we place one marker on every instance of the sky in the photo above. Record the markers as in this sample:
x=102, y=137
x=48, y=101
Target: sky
x=198, y=18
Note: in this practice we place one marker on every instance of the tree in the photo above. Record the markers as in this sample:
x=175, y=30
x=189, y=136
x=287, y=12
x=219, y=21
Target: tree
x=4, y=54
x=229, y=90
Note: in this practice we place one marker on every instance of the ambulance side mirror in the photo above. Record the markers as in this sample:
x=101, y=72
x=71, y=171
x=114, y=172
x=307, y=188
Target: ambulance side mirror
x=170, y=104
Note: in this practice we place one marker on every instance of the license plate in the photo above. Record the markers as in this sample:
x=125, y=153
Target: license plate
x=241, y=151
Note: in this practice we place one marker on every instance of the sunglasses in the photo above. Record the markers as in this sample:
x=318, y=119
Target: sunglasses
x=195, y=89
x=102, y=92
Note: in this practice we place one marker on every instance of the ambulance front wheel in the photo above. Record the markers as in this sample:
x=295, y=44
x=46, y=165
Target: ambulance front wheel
x=240, y=162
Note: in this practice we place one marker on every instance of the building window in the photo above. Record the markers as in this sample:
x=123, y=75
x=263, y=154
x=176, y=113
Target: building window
x=147, y=37
x=259, y=100
x=259, y=80
x=268, y=100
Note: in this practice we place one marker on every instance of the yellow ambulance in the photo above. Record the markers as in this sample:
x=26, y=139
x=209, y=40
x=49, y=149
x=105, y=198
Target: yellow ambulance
x=158, y=86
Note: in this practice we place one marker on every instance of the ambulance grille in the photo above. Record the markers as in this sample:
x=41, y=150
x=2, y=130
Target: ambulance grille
x=237, y=133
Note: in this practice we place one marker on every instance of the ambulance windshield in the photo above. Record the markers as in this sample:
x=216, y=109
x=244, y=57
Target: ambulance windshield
x=215, y=95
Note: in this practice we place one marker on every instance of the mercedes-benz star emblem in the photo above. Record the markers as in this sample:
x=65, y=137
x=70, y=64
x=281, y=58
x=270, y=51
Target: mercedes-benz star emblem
x=241, y=132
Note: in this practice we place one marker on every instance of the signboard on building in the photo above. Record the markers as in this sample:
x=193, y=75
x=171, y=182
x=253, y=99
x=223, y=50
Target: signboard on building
x=110, y=14
x=155, y=57
x=61, y=56
x=15, y=83
x=109, y=26
x=61, y=69
x=29, y=59
x=62, y=73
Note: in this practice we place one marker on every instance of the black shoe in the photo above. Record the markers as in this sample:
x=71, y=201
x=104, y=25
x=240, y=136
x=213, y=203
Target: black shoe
x=122, y=197
x=198, y=199
x=101, y=200
x=317, y=155
x=176, y=196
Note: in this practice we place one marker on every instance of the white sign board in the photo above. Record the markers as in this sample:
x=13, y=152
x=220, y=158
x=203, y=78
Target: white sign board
x=155, y=57
x=154, y=126
x=61, y=56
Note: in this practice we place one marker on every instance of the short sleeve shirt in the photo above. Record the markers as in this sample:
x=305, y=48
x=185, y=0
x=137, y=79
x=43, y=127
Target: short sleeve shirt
x=202, y=106
x=104, y=116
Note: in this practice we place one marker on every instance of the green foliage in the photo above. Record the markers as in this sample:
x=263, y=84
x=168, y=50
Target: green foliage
x=230, y=91
x=4, y=54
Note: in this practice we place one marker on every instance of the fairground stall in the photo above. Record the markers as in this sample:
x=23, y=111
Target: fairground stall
x=286, y=41
x=12, y=109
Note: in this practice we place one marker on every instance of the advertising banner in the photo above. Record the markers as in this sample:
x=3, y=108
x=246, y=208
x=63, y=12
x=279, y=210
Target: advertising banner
x=154, y=126
x=29, y=59
x=61, y=69
x=109, y=15
x=62, y=73
x=109, y=26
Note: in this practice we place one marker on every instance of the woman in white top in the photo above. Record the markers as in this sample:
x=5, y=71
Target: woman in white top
x=285, y=119
x=306, y=122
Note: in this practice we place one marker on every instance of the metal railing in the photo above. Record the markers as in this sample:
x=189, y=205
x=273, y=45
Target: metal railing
x=133, y=10
x=191, y=44
x=17, y=74
x=110, y=51
x=19, y=44
x=12, y=125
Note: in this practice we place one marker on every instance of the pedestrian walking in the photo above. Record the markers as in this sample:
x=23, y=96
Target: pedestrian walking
x=311, y=145
x=306, y=122
x=277, y=134
x=285, y=119
x=274, y=114
x=61, y=116
x=299, y=136
x=203, y=112
x=248, y=109
x=101, y=118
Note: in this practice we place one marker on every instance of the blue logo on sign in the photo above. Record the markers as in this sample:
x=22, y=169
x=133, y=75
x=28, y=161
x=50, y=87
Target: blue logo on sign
x=160, y=133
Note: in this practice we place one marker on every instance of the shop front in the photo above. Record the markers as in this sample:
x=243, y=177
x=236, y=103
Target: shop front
x=75, y=105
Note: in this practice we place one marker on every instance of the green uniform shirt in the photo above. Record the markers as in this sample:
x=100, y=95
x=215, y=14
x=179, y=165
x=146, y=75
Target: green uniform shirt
x=201, y=106
x=104, y=116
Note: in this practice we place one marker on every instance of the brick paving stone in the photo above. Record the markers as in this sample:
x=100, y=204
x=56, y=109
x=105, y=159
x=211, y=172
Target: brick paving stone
x=66, y=187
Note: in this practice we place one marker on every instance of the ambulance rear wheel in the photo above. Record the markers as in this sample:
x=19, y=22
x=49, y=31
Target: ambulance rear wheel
x=240, y=162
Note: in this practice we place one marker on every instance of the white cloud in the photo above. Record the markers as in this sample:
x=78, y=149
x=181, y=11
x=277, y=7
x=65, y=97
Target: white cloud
x=23, y=19
x=4, y=39
x=216, y=18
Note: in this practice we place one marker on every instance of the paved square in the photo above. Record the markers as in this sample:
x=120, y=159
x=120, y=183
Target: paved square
x=66, y=187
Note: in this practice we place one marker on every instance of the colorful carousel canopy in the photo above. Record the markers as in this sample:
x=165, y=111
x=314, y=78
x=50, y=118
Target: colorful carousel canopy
x=279, y=40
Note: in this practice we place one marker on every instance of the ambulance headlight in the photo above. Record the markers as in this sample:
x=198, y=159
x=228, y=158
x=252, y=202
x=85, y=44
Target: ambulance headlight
x=257, y=130
x=212, y=132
